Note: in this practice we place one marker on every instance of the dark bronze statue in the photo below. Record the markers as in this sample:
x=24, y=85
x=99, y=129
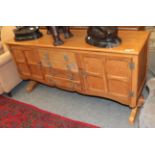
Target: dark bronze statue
x=103, y=36
x=56, y=30
x=100, y=36
x=27, y=33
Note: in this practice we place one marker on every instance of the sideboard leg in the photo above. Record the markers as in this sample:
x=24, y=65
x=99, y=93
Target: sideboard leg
x=133, y=115
x=31, y=85
x=134, y=110
x=141, y=101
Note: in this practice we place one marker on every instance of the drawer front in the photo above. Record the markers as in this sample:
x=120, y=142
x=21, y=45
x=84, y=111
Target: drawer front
x=58, y=59
x=63, y=83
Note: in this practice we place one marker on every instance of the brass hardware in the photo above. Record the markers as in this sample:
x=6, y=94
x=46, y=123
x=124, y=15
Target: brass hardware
x=70, y=76
x=66, y=57
x=69, y=66
x=131, y=94
x=46, y=60
x=84, y=73
x=132, y=65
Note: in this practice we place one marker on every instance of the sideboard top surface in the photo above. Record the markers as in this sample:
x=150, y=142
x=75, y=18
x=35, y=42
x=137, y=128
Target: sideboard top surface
x=132, y=42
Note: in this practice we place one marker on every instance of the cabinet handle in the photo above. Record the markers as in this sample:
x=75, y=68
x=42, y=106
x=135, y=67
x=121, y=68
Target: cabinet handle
x=70, y=76
x=47, y=61
x=69, y=66
x=66, y=57
x=49, y=64
x=84, y=73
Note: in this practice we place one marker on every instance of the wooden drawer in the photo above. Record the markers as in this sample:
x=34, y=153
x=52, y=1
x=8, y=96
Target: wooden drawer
x=58, y=59
x=63, y=83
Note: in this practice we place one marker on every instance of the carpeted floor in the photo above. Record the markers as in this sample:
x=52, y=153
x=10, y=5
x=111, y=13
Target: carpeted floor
x=98, y=111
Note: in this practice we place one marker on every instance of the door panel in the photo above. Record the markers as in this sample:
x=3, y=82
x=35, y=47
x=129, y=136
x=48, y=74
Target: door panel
x=19, y=56
x=36, y=72
x=106, y=76
x=118, y=75
x=23, y=69
x=34, y=63
x=118, y=88
x=95, y=84
x=21, y=62
x=93, y=65
x=32, y=57
x=118, y=67
x=92, y=71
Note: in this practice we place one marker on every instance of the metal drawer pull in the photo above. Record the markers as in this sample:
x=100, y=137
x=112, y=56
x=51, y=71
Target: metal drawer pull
x=84, y=73
x=70, y=77
x=46, y=60
x=69, y=66
x=66, y=58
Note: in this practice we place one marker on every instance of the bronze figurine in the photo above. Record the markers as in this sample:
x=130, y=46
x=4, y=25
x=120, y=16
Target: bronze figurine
x=100, y=36
x=56, y=30
x=23, y=33
x=103, y=36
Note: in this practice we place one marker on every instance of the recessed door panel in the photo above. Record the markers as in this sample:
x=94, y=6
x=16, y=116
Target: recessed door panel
x=34, y=63
x=19, y=56
x=118, y=73
x=32, y=57
x=118, y=67
x=21, y=62
x=23, y=69
x=118, y=88
x=93, y=65
x=95, y=84
x=92, y=71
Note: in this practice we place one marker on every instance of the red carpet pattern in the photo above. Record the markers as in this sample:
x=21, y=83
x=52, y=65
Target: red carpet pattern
x=15, y=114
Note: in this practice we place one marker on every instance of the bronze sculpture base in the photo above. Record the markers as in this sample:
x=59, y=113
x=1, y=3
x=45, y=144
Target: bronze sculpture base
x=23, y=33
x=107, y=43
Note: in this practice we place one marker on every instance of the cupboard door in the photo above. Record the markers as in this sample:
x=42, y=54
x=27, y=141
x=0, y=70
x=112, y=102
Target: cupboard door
x=34, y=63
x=108, y=76
x=21, y=62
x=92, y=71
x=118, y=73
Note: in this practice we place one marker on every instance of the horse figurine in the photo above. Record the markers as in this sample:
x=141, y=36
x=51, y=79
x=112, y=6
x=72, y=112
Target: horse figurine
x=56, y=30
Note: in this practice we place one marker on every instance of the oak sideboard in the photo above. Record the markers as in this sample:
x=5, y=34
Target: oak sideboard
x=114, y=73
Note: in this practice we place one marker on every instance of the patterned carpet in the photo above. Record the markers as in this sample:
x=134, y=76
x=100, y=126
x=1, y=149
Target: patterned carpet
x=15, y=114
